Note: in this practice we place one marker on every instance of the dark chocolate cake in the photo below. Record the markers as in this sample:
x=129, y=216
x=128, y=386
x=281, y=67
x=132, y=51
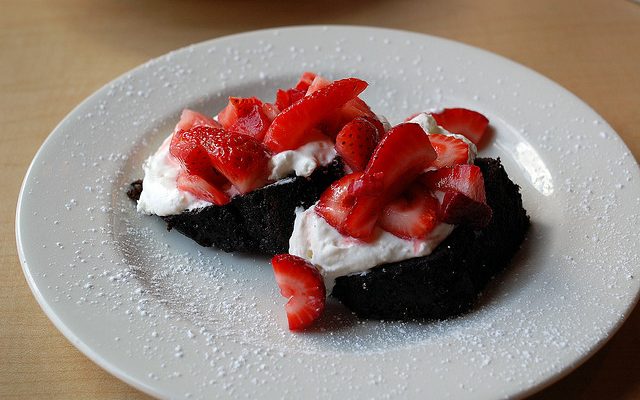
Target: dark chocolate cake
x=258, y=222
x=448, y=281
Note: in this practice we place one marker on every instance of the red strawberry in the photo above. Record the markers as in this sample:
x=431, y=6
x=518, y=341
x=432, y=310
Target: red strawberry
x=470, y=124
x=317, y=84
x=247, y=116
x=305, y=80
x=285, y=98
x=400, y=157
x=464, y=200
x=337, y=200
x=242, y=159
x=287, y=131
x=464, y=178
x=303, y=286
x=355, y=143
x=459, y=209
x=451, y=151
x=202, y=189
x=412, y=215
x=190, y=118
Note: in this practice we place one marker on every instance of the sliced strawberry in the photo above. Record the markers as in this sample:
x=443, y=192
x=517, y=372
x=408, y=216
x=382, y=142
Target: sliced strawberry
x=399, y=158
x=242, y=159
x=317, y=84
x=464, y=200
x=412, y=215
x=337, y=200
x=305, y=80
x=287, y=131
x=459, y=209
x=464, y=178
x=355, y=143
x=470, y=124
x=190, y=118
x=237, y=107
x=270, y=110
x=285, y=98
x=202, y=189
x=451, y=151
x=303, y=286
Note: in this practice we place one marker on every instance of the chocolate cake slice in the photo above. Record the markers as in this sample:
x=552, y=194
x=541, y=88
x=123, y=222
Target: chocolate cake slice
x=259, y=222
x=448, y=281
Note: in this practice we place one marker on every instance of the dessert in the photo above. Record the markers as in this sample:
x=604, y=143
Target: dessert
x=234, y=181
x=394, y=222
x=417, y=232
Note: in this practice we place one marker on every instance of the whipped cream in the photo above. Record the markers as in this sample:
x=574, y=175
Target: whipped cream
x=303, y=161
x=337, y=255
x=160, y=195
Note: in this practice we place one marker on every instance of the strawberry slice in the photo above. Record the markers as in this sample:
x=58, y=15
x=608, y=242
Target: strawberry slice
x=458, y=209
x=355, y=142
x=303, y=286
x=464, y=178
x=337, y=200
x=248, y=116
x=190, y=118
x=202, y=188
x=198, y=176
x=464, y=200
x=399, y=159
x=305, y=80
x=451, y=151
x=470, y=124
x=412, y=215
x=287, y=131
x=285, y=98
x=242, y=159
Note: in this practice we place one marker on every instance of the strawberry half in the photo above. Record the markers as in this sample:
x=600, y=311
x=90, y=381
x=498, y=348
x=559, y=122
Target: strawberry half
x=287, y=131
x=302, y=284
x=412, y=215
x=400, y=157
x=190, y=118
x=355, y=143
x=468, y=123
x=451, y=151
x=464, y=200
x=242, y=159
x=337, y=200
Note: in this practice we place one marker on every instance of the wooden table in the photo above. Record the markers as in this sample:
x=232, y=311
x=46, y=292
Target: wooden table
x=54, y=54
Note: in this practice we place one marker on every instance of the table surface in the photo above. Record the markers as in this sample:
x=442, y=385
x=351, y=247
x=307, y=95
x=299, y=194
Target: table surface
x=54, y=54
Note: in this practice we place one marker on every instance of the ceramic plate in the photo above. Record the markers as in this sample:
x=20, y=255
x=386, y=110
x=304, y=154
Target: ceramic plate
x=180, y=321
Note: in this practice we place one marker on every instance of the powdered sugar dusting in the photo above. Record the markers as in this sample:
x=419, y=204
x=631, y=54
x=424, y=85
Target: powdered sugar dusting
x=183, y=321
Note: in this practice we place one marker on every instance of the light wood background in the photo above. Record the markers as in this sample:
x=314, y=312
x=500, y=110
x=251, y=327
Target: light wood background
x=53, y=54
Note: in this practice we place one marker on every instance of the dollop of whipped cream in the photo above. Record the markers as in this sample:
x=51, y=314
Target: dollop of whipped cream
x=303, y=161
x=161, y=196
x=337, y=255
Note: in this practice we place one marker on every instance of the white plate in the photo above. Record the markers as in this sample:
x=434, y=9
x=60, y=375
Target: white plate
x=176, y=320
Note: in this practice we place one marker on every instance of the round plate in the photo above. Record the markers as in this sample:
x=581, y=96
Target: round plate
x=176, y=320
